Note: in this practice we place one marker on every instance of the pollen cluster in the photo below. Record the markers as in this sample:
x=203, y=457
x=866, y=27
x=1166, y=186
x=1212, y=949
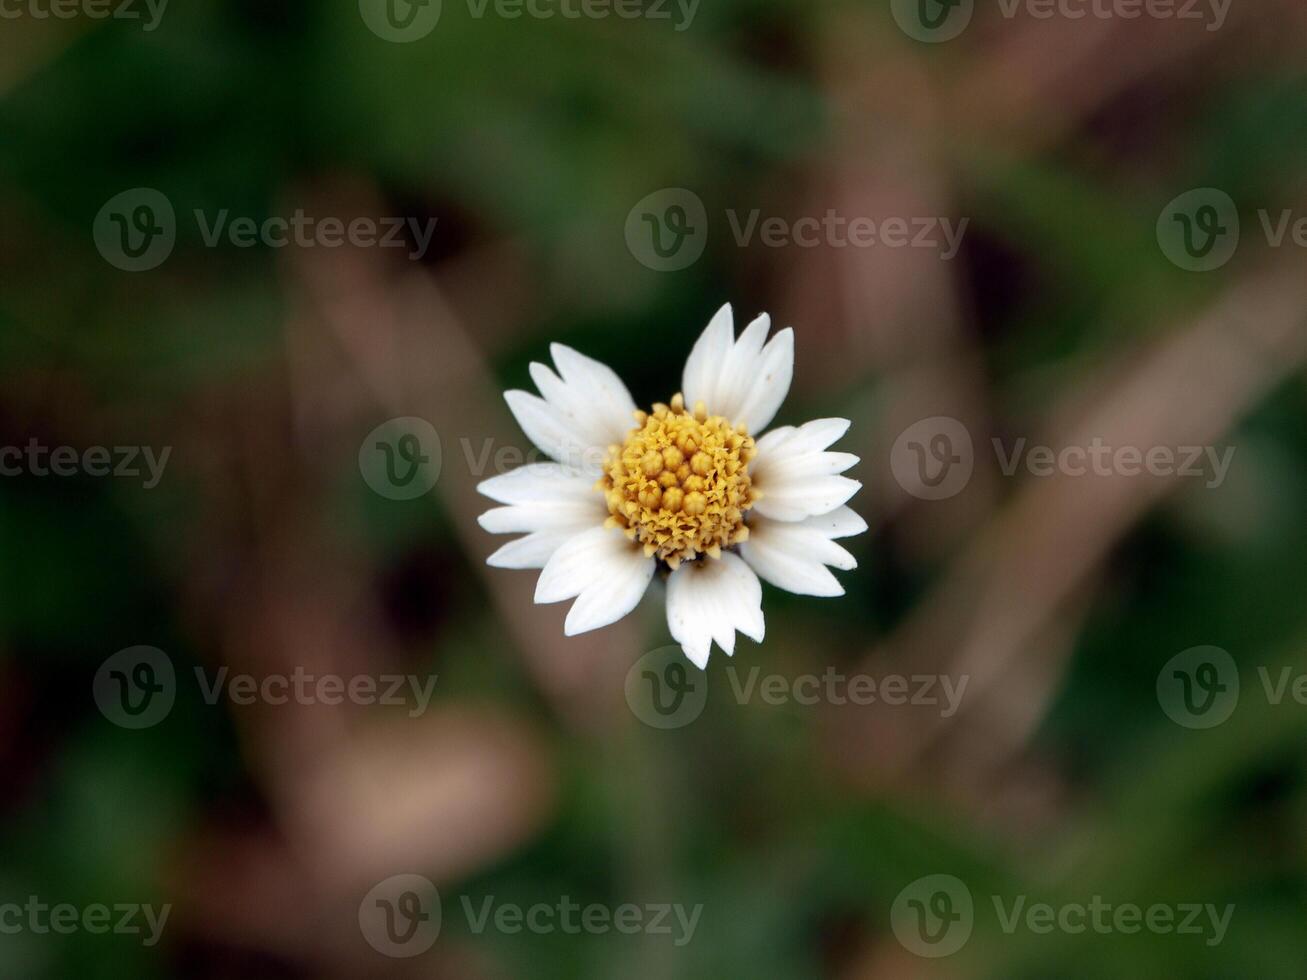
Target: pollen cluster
x=679, y=485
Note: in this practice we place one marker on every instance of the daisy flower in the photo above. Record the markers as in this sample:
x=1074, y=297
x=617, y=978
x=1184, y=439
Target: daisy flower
x=693, y=488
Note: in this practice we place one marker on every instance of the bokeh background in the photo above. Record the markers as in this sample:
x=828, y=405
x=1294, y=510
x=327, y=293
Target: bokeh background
x=531, y=142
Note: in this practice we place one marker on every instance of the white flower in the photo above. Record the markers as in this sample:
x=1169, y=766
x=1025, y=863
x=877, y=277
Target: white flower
x=687, y=489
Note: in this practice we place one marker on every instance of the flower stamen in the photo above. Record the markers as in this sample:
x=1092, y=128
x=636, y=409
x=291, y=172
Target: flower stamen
x=680, y=484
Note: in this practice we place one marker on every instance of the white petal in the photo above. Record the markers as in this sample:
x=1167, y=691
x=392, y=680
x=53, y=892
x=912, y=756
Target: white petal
x=609, y=402
x=742, y=380
x=842, y=522
x=535, y=517
x=570, y=403
x=606, y=573
x=737, y=373
x=772, y=373
x=794, y=474
x=555, y=435
x=552, y=503
x=810, y=437
x=537, y=483
x=532, y=551
x=794, y=555
x=585, y=409
x=697, y=655
x=709, y=600
x=799, y=499
x=699, y=379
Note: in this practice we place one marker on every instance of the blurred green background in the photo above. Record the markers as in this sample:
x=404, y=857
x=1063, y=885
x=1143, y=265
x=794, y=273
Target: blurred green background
x=531, y=142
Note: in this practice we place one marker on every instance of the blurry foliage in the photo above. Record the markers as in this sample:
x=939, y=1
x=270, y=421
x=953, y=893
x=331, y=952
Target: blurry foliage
x=546, y=131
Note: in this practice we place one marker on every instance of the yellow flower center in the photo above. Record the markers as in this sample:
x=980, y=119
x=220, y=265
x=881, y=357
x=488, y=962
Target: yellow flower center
x=679, y=485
